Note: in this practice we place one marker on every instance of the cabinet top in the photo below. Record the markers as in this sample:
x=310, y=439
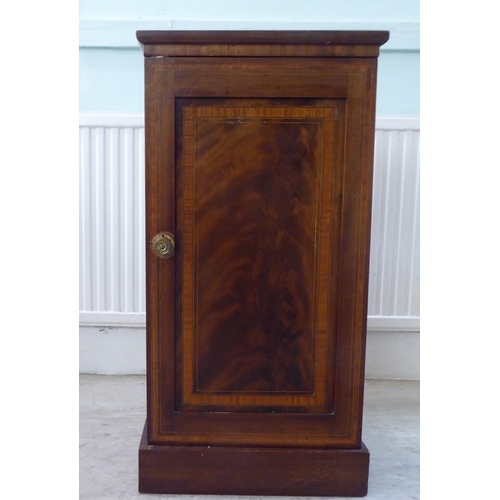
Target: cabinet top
x=262, y=43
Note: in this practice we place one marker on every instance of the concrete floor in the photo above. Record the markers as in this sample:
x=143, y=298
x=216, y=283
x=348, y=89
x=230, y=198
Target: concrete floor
x=112, y=414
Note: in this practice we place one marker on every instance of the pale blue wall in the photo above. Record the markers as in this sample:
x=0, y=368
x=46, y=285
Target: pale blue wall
x=253, y=10
x=111, y=63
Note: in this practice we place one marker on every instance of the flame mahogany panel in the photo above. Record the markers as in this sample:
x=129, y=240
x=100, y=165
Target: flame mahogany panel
x=255, y=215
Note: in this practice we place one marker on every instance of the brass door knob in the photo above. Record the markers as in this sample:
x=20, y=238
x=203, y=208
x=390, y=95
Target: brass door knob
x=163, y=244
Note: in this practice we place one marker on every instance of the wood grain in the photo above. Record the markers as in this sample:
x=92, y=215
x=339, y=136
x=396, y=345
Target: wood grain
x=215, y=470
x=252, y=226
x=256, y=222
x=263, y=37
x=259, y=153
x=262, y=43
x=331, y=415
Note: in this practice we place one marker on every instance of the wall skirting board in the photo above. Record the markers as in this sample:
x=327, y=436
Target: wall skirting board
x=118, y=350
x=112, y=258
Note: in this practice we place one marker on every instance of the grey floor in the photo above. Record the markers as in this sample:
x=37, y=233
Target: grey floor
x=112, y=414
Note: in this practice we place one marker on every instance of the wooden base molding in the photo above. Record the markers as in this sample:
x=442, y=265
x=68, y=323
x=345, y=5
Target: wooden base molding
x=214, y=470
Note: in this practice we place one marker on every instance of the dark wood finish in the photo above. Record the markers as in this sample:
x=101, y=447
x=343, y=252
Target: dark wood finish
x=264, y=37
x=262, y=168
x=216, y=470
x=253, y=334
x=262, y=43
x=332, y=419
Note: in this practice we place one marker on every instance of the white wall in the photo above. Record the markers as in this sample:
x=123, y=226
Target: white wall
x=122, y=351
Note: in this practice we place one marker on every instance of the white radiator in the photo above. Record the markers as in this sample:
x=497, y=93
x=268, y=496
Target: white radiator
x=112, y=259
x=112, y=254
x=394, y=292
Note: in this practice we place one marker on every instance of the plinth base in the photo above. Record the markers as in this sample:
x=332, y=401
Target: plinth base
x=199, y=470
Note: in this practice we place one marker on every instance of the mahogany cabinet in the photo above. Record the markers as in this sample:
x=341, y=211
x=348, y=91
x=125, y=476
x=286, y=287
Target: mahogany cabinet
x=259, y=152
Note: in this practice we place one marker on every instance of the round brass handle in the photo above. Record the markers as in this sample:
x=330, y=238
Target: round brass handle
x=163, y=244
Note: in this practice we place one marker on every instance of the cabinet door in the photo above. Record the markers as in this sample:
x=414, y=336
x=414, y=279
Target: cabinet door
x=256, y=325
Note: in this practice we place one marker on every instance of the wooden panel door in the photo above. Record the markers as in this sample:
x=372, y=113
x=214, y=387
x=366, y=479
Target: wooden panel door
x=261, y=169
x=254, y=216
